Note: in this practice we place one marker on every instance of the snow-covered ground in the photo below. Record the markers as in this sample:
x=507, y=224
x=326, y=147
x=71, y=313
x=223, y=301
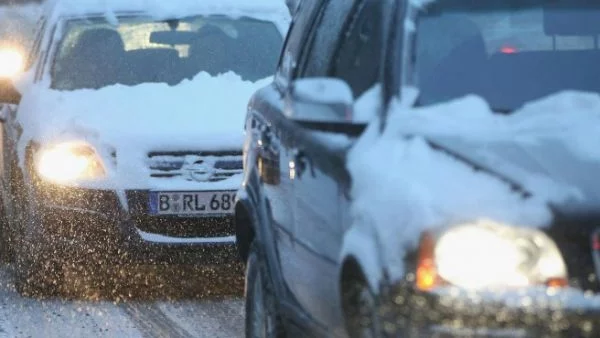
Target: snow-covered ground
x=141, y=315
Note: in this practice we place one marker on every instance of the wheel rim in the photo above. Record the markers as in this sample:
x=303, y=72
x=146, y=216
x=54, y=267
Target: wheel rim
x=369, y=323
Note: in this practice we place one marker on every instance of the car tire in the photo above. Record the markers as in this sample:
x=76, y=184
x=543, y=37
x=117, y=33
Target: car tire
x=361, y=310
x=262, y=317
x=38, y=263
x=7, y=253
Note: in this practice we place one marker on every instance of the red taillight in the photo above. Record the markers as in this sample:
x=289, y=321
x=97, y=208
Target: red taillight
x=427, y=277
x=508, y=50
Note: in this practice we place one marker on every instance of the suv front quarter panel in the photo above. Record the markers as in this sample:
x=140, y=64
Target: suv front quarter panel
x=361, y=245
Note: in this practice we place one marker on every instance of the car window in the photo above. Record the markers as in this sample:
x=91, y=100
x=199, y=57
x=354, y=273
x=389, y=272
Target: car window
x=95, y=53
x=531, y=49
x=324, y=40
x=301, y=25
x=359, y=56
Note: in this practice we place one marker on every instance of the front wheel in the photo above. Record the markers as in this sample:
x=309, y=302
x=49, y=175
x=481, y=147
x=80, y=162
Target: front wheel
x=262, y=318
x=361, y=310
x=38, y=261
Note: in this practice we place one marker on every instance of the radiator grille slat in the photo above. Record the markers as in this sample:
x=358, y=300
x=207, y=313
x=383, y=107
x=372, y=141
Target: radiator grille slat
x=195, y=166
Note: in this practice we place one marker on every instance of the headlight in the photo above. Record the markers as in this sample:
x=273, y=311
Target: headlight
x=489, y=255
x=11, y=62
x=67, y=162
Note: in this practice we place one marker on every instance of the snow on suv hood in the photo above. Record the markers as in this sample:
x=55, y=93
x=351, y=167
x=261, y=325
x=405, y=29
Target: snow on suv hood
x=204, y=114
x=550, y=148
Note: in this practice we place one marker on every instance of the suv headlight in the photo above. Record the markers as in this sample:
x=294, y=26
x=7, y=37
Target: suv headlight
x=488, y=255
x=70, y=161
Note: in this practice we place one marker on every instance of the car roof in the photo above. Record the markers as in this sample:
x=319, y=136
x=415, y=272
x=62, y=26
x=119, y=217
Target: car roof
x=272, y=10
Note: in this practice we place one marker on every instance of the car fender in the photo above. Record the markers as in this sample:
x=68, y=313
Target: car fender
x=246, y=216
x=360, y=244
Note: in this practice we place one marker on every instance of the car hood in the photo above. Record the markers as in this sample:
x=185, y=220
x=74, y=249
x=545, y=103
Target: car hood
x=549, y=145
x=458, y=162
x=204, y=114
x=551, y=163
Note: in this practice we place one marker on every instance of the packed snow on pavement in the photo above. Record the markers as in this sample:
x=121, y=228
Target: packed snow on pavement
x=153, y=304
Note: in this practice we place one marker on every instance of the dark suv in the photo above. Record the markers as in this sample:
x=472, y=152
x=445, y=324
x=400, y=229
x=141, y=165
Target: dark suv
x=466, y=207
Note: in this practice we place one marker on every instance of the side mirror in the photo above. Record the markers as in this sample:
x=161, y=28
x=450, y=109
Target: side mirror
x=321, y=100
x=8, y=93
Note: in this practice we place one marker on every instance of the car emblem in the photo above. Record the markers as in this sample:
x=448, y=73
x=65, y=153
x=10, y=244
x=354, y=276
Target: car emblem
x=198, y=172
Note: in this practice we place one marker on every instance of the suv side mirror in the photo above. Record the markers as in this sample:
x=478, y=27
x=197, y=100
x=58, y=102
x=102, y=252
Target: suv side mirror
x=8, y=92
x=328, y=100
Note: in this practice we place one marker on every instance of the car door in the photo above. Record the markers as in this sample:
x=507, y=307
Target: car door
x=349, y=50
x=273, y=135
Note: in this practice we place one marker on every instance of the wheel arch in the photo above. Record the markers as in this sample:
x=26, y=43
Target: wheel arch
x=244, y=230
x=360, y=258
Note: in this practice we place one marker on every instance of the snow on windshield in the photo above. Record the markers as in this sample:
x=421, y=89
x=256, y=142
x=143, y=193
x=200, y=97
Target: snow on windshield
x=419, y=187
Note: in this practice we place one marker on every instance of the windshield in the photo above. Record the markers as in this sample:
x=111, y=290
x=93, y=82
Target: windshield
x=94, y=53
x=509, y=52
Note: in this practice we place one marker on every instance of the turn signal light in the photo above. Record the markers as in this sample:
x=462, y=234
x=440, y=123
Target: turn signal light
x=557, y=283
x=427, y=277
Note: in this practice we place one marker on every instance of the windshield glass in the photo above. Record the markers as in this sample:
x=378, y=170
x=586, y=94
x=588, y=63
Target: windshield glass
x=509, y=52
x=94, y=53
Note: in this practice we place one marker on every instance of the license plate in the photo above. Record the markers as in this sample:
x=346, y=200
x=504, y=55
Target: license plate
x=191, y=203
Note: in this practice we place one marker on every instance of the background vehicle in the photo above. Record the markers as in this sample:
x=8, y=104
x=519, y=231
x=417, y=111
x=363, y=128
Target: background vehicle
x=443, y=216
x=125, y=147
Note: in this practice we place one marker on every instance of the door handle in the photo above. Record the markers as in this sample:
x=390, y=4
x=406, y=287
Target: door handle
x=265, y=136
x=301, y=163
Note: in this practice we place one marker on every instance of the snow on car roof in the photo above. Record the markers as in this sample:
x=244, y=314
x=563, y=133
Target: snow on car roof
x=274, y=10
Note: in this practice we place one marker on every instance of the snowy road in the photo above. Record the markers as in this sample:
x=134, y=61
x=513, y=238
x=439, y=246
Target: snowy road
x=146, y=314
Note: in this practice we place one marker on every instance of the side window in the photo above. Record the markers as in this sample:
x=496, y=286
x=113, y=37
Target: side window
x=358, y=59
x=295, y=40
x=325, y=38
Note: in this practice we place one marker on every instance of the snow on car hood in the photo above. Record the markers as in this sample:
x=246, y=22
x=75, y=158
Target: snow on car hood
x=206, y=113
x=549, y=148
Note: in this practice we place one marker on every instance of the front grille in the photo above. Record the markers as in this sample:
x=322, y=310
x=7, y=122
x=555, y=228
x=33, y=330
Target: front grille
x=195, y=166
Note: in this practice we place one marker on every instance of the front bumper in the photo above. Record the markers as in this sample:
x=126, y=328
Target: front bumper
x=116, y=224
x=449, y=312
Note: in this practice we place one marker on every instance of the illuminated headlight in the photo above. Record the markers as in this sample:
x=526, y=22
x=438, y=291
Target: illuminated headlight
x=488, y=255
x=11, y=62
x=67, y=162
